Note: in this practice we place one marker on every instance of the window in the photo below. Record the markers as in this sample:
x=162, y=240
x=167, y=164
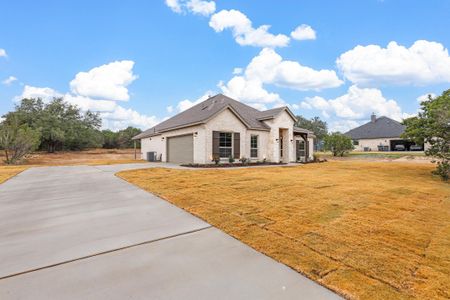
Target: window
x=225, y=144
x=254, y=146
x=355, y=142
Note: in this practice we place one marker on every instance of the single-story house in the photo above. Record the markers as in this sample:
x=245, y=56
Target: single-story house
x=223, y=127
x=381, y=134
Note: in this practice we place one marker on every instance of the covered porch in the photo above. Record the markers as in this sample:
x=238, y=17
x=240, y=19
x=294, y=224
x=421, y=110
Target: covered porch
x=302, y=140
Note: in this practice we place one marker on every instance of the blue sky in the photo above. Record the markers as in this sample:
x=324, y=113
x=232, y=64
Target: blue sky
x=138, y=62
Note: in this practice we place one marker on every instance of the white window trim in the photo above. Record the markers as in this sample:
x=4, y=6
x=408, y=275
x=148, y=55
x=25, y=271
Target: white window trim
x=232, y=146
x=257, y=146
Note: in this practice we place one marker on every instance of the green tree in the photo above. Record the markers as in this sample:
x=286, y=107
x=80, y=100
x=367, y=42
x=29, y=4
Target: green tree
x=124, y=138
x=432, y=126
x=17, y=140
x=62, y=126
x=121, y=138
x=316, y=125
x=338, y=144
x=109, y=139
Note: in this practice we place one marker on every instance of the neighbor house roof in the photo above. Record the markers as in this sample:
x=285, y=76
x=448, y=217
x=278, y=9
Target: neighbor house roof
x=204, y=111
x=382, y=127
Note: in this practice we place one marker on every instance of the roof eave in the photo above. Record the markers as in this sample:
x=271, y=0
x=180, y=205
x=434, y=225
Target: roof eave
x=138, y=137
x=182, y=126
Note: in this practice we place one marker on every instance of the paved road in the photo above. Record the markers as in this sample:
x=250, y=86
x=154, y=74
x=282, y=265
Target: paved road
x=82, y=233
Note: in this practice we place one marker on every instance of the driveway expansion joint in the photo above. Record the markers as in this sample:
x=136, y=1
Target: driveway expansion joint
x=106, y=252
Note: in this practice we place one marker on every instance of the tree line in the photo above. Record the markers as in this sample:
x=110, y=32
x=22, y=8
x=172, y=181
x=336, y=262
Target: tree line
x=56, y=126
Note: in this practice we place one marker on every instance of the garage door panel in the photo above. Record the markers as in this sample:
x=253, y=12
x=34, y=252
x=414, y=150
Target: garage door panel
x=181, y=149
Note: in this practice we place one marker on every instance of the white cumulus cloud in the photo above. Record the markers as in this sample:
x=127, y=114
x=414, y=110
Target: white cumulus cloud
x=303, y=32
x=86, y=103
x=199, y=7
x=425, y=97
x=421, y=64
x=113, y=116
x=45, y=93
x=186, y=103
x=356, y=104
x=112, y=80
x=121, y=118
x=269, y=67
x=243, y=31
x=174, y=5
x=250, y=91
x=237, y=71
x=204, y=8
x=9, y=80
x=3, y=53
x=344, y=125
x=108, y=81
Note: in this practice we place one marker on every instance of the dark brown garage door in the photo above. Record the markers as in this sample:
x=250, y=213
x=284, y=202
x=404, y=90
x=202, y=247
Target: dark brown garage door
x=180, y=149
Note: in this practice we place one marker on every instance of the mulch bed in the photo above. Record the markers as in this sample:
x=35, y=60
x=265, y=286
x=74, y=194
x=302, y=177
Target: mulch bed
x=233, y=165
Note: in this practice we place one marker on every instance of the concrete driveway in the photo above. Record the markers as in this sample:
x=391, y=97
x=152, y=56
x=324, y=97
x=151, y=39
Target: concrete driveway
x=80, y=232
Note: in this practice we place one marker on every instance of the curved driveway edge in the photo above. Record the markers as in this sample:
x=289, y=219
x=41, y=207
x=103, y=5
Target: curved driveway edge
x=81, y=232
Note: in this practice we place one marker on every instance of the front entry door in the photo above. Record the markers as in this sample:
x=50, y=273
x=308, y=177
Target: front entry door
x=300, y=147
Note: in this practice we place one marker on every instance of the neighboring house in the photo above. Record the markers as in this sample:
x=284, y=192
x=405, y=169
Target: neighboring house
x=380, y=134
x=223, y=127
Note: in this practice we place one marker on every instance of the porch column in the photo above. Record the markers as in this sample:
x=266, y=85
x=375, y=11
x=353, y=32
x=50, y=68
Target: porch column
x=307, y=148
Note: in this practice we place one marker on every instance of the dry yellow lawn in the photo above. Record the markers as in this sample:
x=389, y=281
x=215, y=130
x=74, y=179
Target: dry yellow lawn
x=87, y=157
x=7, y=172
x=367, y=230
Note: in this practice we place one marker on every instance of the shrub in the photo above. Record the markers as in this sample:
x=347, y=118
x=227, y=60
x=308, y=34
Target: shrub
x=432, y=126
x=17, y=140
x=216, y=159
x=442, y=170
x=244, y=160
x=231, y=159
x=338, y=144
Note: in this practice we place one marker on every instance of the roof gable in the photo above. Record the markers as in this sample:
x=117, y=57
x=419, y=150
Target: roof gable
x=206, y=110
x=274, y=112
x=383, y=127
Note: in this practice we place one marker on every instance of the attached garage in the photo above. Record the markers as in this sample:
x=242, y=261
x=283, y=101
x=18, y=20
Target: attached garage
x=180, y=149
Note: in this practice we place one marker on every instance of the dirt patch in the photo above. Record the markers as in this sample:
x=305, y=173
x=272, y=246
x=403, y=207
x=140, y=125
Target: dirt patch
x=87, y=157
x=92, y=156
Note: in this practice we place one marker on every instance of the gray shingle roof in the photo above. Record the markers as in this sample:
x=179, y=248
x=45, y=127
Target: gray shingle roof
x=383, y=127
x=270, y=113
x=202, y=112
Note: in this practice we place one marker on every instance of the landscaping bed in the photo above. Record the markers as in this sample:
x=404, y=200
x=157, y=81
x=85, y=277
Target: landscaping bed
x=233, y=165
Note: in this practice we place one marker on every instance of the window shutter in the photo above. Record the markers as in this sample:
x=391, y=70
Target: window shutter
x=237, y=145
x=215, y=143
